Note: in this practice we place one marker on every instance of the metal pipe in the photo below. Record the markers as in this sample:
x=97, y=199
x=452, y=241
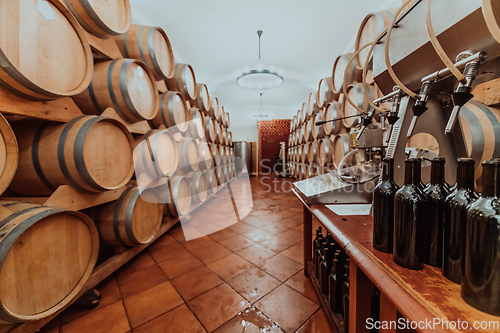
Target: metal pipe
x=445, y=73
x=387, y=97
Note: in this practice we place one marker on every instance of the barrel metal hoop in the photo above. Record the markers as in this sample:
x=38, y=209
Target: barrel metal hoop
x=162, y=109
x=36, y=158
x=129, y=230
x=111, y=92
x=81, y=20
x=9, y=218
x=61, y=156
x=97, y=20
x=170, y=109
x=125, y=46
x=79, y=155
x=116, y=215
x=94, y=98
x=16, y=75
x=152, y=54
x=14, y=91
x=140, y=40
x=494, y=122
x=124, y=91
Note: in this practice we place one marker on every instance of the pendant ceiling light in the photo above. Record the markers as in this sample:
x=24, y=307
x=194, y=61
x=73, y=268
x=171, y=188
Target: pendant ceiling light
x=261, y=114
x=260, y=77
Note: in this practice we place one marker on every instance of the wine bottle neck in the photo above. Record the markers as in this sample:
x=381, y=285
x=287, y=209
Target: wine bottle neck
x=437, y=171
x=491, y=178
x=412, y=172
x=388, y=170
x=465, y=174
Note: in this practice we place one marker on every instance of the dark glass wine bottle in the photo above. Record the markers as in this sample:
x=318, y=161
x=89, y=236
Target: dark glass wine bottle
x=383, y=209
x=434, y=221
x=455, y=222
x=345, y=298
x=481, y=280
x=317, y=246
x=335, y=287
x=326, y=267
x=321, y=253
x=409, y=214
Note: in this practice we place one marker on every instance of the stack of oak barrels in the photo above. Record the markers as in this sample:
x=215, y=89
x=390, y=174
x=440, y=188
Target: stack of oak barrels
x=314, y=150
x=93, y=107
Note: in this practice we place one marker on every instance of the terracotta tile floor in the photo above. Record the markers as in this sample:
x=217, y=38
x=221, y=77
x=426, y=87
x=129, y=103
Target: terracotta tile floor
x=245, y=278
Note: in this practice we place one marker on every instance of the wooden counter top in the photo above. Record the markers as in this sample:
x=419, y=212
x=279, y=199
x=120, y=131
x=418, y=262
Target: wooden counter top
x=417, y=295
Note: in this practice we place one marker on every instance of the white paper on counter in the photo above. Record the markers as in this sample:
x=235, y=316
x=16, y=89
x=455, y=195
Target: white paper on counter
x=342, y=210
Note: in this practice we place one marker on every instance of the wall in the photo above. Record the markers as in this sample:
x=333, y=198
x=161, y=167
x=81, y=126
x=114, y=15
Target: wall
x=248, y=133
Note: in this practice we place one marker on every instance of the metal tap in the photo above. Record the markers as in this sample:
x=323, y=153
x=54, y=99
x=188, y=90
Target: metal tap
x=420, y=106
x=393, y=113
x=463, y=93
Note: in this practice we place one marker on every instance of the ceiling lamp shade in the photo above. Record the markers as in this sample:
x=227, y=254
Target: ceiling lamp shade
x=261, y=114
x=261, y=76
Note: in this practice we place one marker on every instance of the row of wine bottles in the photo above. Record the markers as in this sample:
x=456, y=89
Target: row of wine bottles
x=331, y=267
x=451, y=228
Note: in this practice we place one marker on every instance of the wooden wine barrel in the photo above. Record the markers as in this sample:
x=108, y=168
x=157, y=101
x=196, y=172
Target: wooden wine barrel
x=230, y=138
x=89, y=153
x=198, y=187
x=341, y=146
x=311, y=105
x=308, y=137
x=301, y=174
x=215, y=109
x=126, y=85
x=209, y=128
x=177, y=195
x=222, y=118
x=172, y=114
x=183, y=81
x=202, y=101
x=299, y=119
x=214, y=149
x=47, y=256
x=222, y=152
x=231, y=153
x=339, y=68
x=204, y=156
x=325, y=93
x=196, y=129
x=371, y=27
x=480, y=126
x=9, y=154
x=228, y=120
x=44, y=53
x=305, y=153
x=333, y=111
x=188, y=155
x=220, y=174
x=355, y=93
x=155, y=154
x=317, y=132
x=220, y=132
x=325, y=152
x=292, y=124
x=312, y=156
x=150, y=45
x=313, y=170
x=130, y=220
x=210, y=180
x=102, y=19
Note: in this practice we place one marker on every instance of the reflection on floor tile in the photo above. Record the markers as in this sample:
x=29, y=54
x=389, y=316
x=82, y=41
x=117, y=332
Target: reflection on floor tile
x=207, y=284
x=250, y=321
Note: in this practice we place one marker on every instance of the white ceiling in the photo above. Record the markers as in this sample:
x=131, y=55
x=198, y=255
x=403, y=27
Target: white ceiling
x=219, y=38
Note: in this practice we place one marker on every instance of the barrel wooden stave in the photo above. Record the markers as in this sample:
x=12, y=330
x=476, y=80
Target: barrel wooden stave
x=55, y=61
x=31, y=288
x=155, y=154
x=203, y=101
x=89, y=153
x=130, y=220
x=126, y=85
x=183, y=81
x=340, y=70
x=150, y=45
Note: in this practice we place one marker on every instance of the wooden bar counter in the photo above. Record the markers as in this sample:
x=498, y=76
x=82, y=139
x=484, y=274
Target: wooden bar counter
x=419, y=296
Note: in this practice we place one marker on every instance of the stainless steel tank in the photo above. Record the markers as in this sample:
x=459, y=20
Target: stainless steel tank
x=243, y=155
